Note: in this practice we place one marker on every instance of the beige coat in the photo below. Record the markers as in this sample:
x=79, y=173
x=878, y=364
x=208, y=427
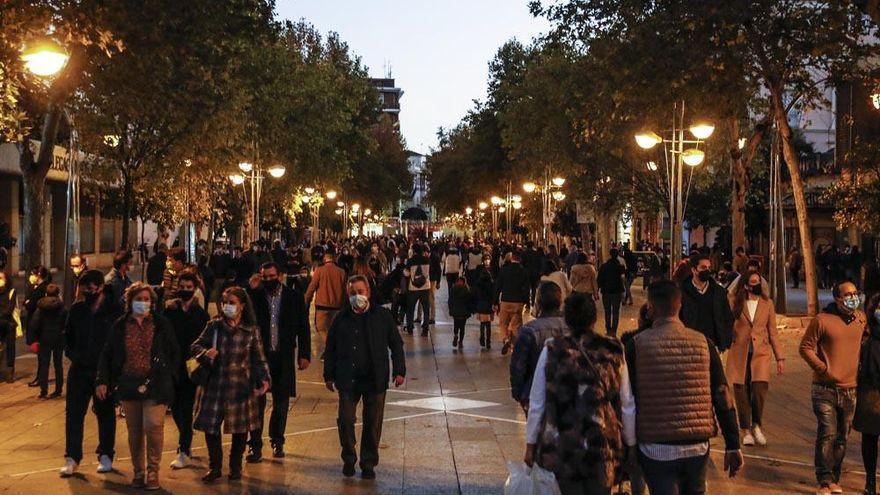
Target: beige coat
x=762, y=335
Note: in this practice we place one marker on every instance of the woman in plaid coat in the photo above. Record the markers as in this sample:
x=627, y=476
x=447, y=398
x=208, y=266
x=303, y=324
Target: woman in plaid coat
x=238, y=377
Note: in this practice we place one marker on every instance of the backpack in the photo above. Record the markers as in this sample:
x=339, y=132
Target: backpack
x=419, y=279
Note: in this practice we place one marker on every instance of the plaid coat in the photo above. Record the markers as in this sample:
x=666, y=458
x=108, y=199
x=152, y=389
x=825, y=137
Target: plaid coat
x=240, y=367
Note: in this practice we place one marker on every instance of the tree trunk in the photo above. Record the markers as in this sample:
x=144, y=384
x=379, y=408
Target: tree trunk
x=800, y=202
x=740, y=179
x=127, y=207
x=34, y=171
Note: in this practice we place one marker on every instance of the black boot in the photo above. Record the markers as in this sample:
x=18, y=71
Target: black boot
x=488, y=335
x=215, y=458
x=235, y=455
x=482, y=335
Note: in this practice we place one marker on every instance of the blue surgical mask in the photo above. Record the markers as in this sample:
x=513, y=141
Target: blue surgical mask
x=140, y=308
x=852, y=302
x=230, y=310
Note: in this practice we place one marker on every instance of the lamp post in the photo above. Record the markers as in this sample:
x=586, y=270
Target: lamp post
x=315, y=199
x=253, y=175
x=676, y=156
x=550, y=189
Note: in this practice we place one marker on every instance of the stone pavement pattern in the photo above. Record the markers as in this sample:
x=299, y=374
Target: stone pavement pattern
x=449, y=430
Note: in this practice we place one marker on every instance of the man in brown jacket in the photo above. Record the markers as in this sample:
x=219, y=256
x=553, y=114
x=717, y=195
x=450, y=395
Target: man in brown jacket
x=831, y=346
x=327, y=288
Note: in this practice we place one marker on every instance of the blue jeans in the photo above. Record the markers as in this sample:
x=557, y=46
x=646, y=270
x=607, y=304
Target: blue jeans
x=834, y=408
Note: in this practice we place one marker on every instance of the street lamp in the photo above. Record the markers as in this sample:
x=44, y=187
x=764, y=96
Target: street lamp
x=277, y=171
x=254, y=175
x=44, y=58
x=550, y=191
x=679, y=151
x=331, y=194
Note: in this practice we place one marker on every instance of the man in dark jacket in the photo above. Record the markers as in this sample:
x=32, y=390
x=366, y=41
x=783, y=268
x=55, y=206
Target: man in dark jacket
x=283, y=321
x=47, y=326
x=38, y=280
x=188, y=319
x=611, y=281
x=356, y=363
x=511, y=294
x=530, y=341
x=156, y=266
x=704, y=304
x=88, y=324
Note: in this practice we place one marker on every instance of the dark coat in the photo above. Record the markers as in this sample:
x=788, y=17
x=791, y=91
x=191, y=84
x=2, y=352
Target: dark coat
x=156, y=268
x=85, y=332
x=239, y=369
x=31, y=298
x=47, y=324
x=512, y=284
x=384, y=337
x=482, y=291
x=460, y=302
x=867, y=415
x=8, y=302
x=610, y=277
x=187, y=325
x=164, y=358
x=692, y=313
x=293, y=333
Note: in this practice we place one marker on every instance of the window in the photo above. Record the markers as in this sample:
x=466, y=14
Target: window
x=108, y=235
x=87, y=234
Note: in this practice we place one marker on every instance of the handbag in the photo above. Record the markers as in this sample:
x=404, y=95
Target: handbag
x=132, y=388
x=198, y=370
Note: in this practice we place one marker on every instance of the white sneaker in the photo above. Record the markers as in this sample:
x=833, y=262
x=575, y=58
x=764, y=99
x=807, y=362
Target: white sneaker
x=748, y=439
x=69, y=468
x=105, y=464
x=181, y=462
x=760, y=439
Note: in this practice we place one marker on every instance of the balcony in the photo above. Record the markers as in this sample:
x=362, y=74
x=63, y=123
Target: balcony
x=813, y=164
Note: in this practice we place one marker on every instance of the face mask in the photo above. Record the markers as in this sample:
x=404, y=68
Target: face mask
x=185, y=295
x=852, y=303
x=77, y=270
x=755, y=289
x=33, y=279
x=271, y=285
x=90, y=297
x=230, y=310
x=2, y=283
x=140, y=308
x=358, y=302
x=704, y=275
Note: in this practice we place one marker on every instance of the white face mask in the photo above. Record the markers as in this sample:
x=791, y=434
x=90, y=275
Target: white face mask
x=230, y=310
x=358, y=302
x=140, y=308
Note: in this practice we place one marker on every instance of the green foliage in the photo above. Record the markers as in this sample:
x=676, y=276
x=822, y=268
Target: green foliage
x=856, y=196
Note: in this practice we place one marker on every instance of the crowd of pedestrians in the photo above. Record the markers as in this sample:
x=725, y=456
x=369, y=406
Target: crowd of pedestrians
x=601, y=406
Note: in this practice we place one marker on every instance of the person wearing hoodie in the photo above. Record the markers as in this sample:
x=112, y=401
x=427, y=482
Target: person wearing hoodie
x=831, y=346
x=47, y=326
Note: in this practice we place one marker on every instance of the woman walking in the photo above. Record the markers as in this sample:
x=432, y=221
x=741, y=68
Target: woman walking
x=867, y=416
x=460, y=303
x=47, y=328
x=231, y=345
x=138, y=367
x=579, y=394
x=482, y=293
x=751, y=356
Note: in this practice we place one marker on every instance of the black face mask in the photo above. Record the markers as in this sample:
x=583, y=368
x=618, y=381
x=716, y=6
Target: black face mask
x=90, y=297
x=271, y=285
x=755, y=289
x=704, y=275
x=186, y=295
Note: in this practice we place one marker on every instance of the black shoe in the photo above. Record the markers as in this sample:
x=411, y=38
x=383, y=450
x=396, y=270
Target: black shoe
x=54, y=395
x=482, y=337
x=211, y=476
x=34, y=383
x=409, y=331
x=138, y=483
x=278, y=450
x=234, y=474
x=348, y=470
x=424, y=332
x=461, y=343
x=43, y=395
x=455, y=342
x=368, y=474
x=504, y=348
x=254, y=457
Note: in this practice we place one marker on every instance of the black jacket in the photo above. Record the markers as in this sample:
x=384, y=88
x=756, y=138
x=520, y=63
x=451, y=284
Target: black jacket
x=338, y=356
x=85, y=332
x=32, y=297
x=293, y=333
x=165, y=358
x=610, y=277
x=482, y=291
x=156, y=268
x=715, y=320
x=47, y=323
x=187, y=325
x=460, y=301
x=512, y=284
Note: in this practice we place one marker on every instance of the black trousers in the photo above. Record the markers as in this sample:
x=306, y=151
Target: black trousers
x=277, y=420
x=10, y=348
x=373, y=414
x=215, y=451
x=46, y=353
x=414, y=297
x=451, y=279
x=182, y=412
x=680, y=477
x=750, y=397
x=81, y=390
x=611, y=303
x=458, y=325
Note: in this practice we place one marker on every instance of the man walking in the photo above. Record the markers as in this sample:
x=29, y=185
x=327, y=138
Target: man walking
x=356, y=364
x=85, y=333
x=283, y=321
x=704, y=306
x=530, y=341
x=511, y=295
x=327, y=288
x=419, y=287
x=831, y=346
x=117, y=278
x=611, y=281
x=681, y=395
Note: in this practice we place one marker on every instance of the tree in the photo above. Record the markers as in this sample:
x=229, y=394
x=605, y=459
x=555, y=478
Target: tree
x=382, y=174
x=856, y=196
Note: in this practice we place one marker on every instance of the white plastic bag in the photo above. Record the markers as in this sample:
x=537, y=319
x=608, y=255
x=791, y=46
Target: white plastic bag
x=519, y=482
x=544, y=482
x=525, y=481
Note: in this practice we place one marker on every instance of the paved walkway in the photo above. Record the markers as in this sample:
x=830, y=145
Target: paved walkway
x=450, y=429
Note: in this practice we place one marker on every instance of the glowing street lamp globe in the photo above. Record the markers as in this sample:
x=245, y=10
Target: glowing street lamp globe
x=558, y=181
x=367, y=212
x=355, y=207
x=693, y=157
x=44, y=59
x=340, y=203
x=516, y=198
x=647, y=140
x=237, y=179
x=652, y=166
x=702, y=130
x=310, y=190
x=495, y=200
x=468, y=210
x=558, y=195
x=530, y=187
x=277, y=171
x=246, y=167
x=502, y=209
x=483, y=205
x=331, y=194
